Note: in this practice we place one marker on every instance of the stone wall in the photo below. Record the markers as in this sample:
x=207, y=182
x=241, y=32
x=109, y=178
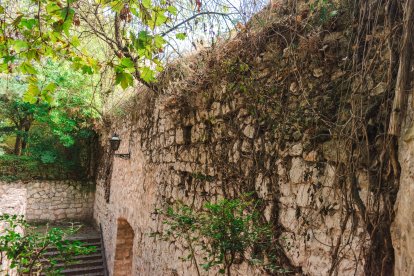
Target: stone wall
x=239, y=120
x=402, y=230
x=138, y=187
x=277, y=111
x=41, y=201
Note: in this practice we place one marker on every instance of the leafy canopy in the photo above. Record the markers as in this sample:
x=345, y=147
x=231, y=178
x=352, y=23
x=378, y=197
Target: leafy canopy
x=32, y=30
x=55, y=131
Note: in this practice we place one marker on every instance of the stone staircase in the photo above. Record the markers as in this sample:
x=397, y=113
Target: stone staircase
x=85, y=265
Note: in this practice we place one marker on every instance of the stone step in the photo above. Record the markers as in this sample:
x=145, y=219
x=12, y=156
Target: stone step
x=83, y=271
x=83, y=265
x=54, y=251
x=90, y=270
x=90, y=238
x=85, y=243
x=90, y=257
x=79, y=263
x=93, y=256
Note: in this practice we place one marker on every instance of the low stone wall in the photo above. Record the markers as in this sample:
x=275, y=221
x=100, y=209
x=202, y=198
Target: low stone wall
x=41, y=201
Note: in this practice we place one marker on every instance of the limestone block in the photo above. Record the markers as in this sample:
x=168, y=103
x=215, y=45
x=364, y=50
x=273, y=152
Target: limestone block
x=304, y=195
x=249, y=131
x=296, y=150
x=297, y=170
x=179, y=136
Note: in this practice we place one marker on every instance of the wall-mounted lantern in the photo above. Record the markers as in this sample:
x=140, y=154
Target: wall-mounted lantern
x=115, y=142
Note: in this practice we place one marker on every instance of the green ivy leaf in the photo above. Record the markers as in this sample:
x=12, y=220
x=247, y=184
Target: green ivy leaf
x=4, y=68
x=117, y=6
x=50, y=88
x=75, y=41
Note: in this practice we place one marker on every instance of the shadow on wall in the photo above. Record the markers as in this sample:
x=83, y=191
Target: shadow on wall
x=123, y=252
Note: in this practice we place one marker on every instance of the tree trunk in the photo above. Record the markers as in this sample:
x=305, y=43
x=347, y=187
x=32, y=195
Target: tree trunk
x=18, y=142
x=27, y=124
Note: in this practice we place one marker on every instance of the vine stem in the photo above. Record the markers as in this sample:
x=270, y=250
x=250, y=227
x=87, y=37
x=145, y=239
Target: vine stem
x=193, y=254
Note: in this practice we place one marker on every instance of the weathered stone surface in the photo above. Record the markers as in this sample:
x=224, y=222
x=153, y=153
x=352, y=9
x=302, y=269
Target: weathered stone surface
x=47, y=200
x=232, y=132
x=308, y=202
x=403, y=227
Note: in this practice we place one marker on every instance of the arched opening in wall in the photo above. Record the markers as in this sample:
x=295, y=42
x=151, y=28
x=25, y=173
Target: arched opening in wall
x=123, y=251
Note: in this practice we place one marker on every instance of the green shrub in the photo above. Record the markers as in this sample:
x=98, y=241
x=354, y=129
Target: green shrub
x=222, y=234
x=26, y=249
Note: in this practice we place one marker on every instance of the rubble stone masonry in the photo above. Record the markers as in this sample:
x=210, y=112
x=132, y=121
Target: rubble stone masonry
x=42, y=201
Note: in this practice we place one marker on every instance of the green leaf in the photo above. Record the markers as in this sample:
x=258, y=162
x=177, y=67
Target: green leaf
x=19, y=45
x=27, y=68
x=127, y=63
x=125, y=79
x=50, y=88
x=32, y=93
x=52, y=8
x=75, y=41
x=147, y=74
x=4, y=68
x=147, y=4
x=181, y=36
x=117, y=6
x=160, y=18
x=48, y=157
x=159, y=41
x=17, y=20
x=87, y=70
x=28, y=23
x=172, y=10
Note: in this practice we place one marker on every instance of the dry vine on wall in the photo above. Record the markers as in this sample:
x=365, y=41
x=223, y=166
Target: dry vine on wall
x=381, y=54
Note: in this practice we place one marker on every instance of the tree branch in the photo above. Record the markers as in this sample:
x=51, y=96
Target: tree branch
x=191, y=18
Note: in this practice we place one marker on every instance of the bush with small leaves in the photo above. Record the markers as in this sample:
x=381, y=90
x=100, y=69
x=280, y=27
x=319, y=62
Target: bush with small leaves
x=25, y=249
x=222, y=234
